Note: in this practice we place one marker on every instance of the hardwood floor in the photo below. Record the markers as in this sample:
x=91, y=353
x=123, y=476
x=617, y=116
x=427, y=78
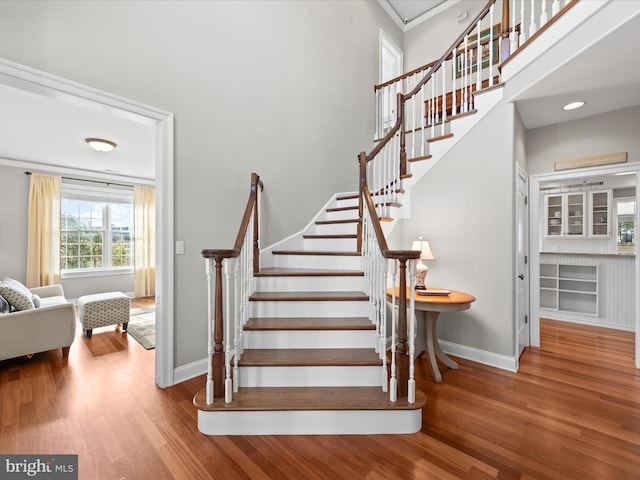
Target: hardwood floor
x=571, y=412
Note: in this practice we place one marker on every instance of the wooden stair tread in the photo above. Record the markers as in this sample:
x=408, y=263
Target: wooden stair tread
x=309, y=323
x=441, y=137
x=306, y=272
x=349, y=196
x=340, y=236
x=309, y=398
x=332, y=222
x=342, y=209
x=305, y=296
x=310, y=357
x=316, y=252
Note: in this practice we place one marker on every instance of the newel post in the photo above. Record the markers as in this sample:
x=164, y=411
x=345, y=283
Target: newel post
x=402, y=352
x=217, y=359
x=403, y=140
x=255, y=181
x=362, y=178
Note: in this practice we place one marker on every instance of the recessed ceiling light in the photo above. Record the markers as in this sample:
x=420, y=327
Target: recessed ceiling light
x=572, y=106
x=100, y=144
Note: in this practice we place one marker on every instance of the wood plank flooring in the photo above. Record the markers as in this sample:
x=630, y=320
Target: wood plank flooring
x=571, y=412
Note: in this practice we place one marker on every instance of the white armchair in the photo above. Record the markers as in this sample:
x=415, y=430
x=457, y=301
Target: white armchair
x=51, y=326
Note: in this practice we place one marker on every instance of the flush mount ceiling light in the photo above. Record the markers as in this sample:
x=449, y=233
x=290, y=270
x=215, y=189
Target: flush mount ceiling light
x=572, y=106
x=100, y=144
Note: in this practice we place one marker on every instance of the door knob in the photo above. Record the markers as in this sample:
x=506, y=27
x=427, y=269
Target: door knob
x=521, y=276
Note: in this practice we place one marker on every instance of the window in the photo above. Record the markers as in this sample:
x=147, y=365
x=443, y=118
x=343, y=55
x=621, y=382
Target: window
x=626, y=222
x=96, y=230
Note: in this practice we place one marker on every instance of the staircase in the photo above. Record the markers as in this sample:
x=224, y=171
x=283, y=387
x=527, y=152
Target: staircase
x=310, y=364
x=301, y=340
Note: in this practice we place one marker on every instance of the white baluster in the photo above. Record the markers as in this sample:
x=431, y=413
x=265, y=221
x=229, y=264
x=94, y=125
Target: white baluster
x=478, y=58
x=423, y=120
x=413, y=123
x=490, y=46
x=383, y=337
x=227, y=331
x=454, y=106
x=513, y=39
x=465, y=69
x=555, y=8
x=239, y=302
x=532, y=26
x=523, y=35
x=433, y=107
x=393, y=382
x=378, y=110
x=544, y=17
x=411, y=389
x=210, y=329
x=444, y=97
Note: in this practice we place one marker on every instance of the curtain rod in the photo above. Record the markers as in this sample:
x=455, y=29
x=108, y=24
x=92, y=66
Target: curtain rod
x=93, y=181
x=575, y=185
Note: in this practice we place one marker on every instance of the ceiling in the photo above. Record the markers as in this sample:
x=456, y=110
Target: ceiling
x=48, y=131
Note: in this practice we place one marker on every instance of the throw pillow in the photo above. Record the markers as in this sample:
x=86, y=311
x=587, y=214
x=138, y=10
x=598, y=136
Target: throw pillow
x=36, y=301
x=4, y=305
x=19, y=296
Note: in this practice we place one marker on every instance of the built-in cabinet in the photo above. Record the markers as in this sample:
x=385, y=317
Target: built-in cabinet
x=588, y=288
x=576, y=214
x=569, y=288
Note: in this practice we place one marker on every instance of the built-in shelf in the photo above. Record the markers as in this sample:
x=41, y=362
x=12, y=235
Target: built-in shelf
x=569, y=288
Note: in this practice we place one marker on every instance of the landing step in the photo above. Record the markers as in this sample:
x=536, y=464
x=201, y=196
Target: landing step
x=309, y=323
x=310, y=357
x=306, y=272
x=308, y=296
x=309, y=411
x=310, y=398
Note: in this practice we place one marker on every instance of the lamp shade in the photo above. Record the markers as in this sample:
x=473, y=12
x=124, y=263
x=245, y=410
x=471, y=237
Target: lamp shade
x=424, y=248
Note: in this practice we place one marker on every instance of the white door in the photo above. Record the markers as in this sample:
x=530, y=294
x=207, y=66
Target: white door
x=390, y=67
x=522, y=262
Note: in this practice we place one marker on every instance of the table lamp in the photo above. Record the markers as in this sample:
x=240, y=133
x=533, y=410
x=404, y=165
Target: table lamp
x=421, y=268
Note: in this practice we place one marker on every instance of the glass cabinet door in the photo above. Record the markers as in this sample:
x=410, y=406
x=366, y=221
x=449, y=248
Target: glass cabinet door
x=554, y=215
x=575, y=214
x=600, y=214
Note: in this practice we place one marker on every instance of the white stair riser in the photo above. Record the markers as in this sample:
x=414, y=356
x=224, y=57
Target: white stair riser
x=336, y=228
x=350, y=202
x=254, y=339
x=310, y=422
x=341, y=215
x=315, y=376
x=309, y=309
x=308, y=284
x=331, y=244
x=327, y=262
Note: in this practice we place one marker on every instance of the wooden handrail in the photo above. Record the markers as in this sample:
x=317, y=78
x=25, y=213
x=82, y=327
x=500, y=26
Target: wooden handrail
x=218, y=255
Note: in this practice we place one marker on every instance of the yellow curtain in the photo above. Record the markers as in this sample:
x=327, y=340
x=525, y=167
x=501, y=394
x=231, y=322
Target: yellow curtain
x=43, y=243
x=144, y=203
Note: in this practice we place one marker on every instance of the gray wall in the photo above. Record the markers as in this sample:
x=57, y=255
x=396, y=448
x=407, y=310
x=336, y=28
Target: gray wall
x=597, y=135
x=427, y=41
x=280, y=88
x=465, y=206
x=14, y=211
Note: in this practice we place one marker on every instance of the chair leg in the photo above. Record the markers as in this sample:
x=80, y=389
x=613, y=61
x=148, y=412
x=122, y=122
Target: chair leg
x=88, y=332
x=65, y=351
x=125, y=325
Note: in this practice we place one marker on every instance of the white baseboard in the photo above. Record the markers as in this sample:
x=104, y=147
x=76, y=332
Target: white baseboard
x=189, y=371
x=491, y=359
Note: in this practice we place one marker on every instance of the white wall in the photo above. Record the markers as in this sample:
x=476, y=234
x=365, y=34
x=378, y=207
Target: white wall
x=280, y=88
x=465, y=207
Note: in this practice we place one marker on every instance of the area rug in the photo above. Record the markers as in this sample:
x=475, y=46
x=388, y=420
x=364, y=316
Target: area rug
x=142, y=326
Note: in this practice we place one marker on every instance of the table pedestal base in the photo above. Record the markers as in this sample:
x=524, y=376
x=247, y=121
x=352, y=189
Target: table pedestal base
x=427, y=341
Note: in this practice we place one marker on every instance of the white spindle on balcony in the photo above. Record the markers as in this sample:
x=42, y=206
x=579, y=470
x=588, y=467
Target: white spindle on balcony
x=210, y=329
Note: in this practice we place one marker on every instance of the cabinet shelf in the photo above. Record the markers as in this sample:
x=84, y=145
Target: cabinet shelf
x=569, y=288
